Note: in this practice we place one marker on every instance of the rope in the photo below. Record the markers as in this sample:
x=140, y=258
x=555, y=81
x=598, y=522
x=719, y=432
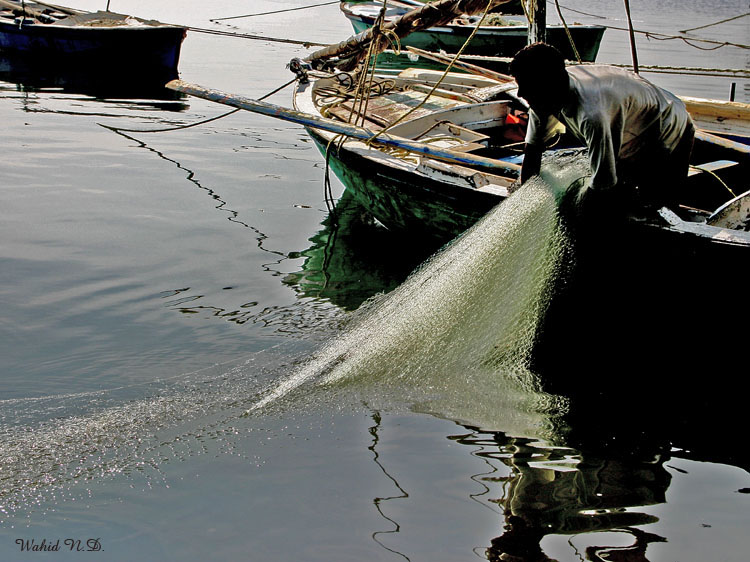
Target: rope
x=715, y=23
x=256, y=37
x=567, y=32
x=580, y=12
x=327, y=190
x=666, y=37
x=716, y=176
x=649, y=34
x=690, y=71
x=362, y=94
x=437, y=84
x=276, y=11
x=203, y=122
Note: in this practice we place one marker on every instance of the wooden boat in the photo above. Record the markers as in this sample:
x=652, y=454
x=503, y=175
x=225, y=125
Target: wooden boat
x=504, y=39
x=431, y=198
x=106, y=42
x=454, y=157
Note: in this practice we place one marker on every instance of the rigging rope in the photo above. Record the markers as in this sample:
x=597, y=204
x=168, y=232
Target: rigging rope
x=437, y=84
x=276, y=11
x=255, y=37
x=567, y=32
x=715, y=23
x=665, y=37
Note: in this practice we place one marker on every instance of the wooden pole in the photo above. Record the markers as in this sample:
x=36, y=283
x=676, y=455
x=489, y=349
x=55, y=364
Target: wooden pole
x=537, y=15
x=473, y=68
x=633, y=51
x=429, y=15
x=360, y=133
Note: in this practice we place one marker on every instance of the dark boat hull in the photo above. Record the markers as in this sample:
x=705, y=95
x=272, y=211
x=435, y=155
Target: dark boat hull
x=138, y=51
x=430, y=210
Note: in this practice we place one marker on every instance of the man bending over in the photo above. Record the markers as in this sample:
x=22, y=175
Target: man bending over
x=639, y=136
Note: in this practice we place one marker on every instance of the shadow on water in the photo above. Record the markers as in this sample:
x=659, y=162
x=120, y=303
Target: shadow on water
x=647, y=337
x=575, y=427
x=646, y=342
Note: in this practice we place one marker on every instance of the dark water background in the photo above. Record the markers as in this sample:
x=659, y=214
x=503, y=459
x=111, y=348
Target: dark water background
x=154, y=286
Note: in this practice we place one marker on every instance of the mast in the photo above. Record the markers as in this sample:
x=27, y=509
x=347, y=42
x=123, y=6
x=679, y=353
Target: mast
x=536, y=13
x=428, y=15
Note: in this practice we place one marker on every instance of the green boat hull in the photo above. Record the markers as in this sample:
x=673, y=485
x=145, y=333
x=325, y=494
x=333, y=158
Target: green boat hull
x=430, y=211
x=503, y=41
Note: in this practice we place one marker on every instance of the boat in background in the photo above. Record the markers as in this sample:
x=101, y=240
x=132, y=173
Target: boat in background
x=102, y=44
x=505, y=38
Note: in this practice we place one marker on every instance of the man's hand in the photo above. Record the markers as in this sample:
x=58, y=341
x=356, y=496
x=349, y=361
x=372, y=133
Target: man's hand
x=532, y=162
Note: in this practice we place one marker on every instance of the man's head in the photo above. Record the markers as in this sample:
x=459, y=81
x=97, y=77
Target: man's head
x=539, y=70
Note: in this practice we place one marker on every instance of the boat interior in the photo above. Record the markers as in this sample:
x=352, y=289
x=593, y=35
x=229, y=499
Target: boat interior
x=30, y=13
x=33, y=12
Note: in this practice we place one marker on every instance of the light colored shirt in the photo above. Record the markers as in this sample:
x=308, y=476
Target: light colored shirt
x=617, y=114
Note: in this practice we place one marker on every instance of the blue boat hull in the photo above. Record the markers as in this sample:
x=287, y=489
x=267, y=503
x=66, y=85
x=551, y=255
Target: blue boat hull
x=127, y=51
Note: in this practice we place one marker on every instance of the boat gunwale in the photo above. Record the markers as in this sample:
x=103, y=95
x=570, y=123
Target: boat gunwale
x=7, y=17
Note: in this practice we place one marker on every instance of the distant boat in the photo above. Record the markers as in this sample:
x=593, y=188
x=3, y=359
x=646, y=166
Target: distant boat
x=490, y=40
x=106, y=42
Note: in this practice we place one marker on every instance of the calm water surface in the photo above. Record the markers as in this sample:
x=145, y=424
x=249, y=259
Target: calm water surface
x=155, y=286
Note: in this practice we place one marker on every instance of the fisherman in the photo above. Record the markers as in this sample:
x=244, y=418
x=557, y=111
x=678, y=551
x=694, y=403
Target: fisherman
x=639, y=136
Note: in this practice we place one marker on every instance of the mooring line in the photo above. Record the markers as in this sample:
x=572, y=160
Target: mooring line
x=202, y=122
x=276, y=11
x=715, y=23
x=255, y=37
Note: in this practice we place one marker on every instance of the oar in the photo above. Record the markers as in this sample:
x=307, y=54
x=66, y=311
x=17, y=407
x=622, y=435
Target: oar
x=721, y=141
x=472, y=68
x=360, y=133
x=20, y=10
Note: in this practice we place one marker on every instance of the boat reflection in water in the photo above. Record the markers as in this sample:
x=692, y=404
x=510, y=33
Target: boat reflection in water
x=554, y=490
x=351, y=258
x=646, y=382
x=36, y=74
